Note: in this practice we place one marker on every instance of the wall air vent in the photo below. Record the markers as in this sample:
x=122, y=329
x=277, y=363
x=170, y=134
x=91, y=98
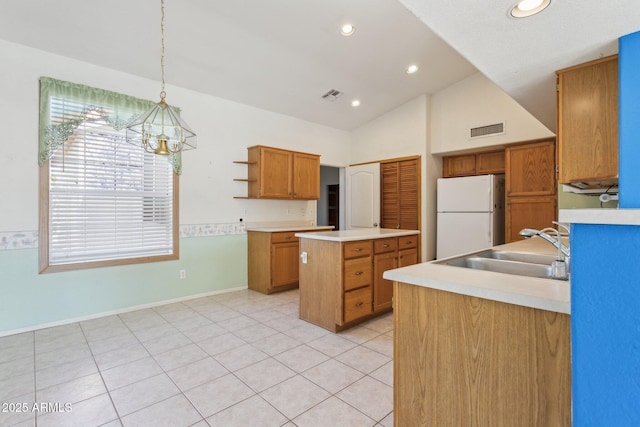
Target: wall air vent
x=489, y=130
x=332, y=95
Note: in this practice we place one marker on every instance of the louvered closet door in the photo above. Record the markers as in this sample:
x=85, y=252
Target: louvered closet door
x=408, y=190
x=400, y=203
x=390, y=173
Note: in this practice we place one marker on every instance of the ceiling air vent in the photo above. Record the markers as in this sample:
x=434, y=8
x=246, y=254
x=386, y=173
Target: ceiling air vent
x=489, y=130
x=332, y=95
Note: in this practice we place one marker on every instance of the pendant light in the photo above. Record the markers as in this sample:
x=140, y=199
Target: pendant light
x=160, y=130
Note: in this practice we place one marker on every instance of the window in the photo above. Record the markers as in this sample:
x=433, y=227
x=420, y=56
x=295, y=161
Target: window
x=103, y=201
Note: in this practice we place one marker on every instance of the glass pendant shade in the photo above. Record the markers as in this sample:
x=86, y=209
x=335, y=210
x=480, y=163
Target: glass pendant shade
x=160, y=130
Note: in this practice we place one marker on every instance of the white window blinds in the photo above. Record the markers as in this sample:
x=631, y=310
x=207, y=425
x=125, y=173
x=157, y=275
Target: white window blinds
x=108, y=200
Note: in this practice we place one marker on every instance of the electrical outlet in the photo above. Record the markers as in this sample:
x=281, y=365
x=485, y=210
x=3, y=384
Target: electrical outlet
x=288, y=211
x=302, y=212
x=183, y=273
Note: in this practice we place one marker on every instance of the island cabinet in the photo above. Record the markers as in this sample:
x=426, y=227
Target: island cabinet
x=467, y=361
x=341, y=282
x=274, y=173
x=588, y=124
x=273, y=260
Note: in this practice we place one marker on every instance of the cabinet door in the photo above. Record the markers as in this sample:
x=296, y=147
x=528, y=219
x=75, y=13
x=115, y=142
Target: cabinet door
x=464, y=165
x=390, y=189
x=488, y=163
x=275, y=173
x=408, y=186
x=284, y=264
x=407, y=257
x=529, y=212
x=588, y=122
x=531, y=169
x=383, y=288
x=306, y=176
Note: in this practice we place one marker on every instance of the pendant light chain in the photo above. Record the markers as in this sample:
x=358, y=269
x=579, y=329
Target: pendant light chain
x=163, y=94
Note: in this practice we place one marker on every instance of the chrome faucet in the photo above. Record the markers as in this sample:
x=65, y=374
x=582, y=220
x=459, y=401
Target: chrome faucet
x=560, y=267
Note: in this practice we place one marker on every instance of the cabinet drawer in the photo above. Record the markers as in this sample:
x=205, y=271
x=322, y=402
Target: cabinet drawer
x=405, y=242
x=357, y=273
x=385, y=245
x=356, y=249
x=285, y=236
x=357, y=304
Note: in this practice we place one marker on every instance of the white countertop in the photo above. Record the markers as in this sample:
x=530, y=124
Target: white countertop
x=280, y=228
x=545, y=294
x=357, y=234
x=600, y=216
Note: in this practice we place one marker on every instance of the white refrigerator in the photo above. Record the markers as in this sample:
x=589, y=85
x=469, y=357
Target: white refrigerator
x=470, y=214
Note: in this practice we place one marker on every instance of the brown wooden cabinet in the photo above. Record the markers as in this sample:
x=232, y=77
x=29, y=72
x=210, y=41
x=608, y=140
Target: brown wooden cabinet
x=400, y=204
x=342, y=285
x=273, y=260
x=588, y=123
x=467, y=361
x=390, y=253
x=484, y=163
x=274, y=173
x=530, y=186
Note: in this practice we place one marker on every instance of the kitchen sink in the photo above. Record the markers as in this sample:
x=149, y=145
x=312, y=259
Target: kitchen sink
x=507, y=262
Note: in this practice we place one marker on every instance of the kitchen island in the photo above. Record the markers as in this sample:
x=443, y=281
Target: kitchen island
x=479, y=348
x=340, y=273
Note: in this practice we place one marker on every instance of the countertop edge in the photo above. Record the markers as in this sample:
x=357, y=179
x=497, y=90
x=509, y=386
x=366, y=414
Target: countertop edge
x=344, y=236
x=614, y=216
x=277, y=229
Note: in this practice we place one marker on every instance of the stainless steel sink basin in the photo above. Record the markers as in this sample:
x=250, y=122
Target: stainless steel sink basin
x=518, y=256
x=503, y=266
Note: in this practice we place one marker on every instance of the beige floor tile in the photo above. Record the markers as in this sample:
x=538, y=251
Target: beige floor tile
x=382, y=344
x=176, y=411
x=180, y=356
x=64, y=355
x=126, y=354
x=15, y=367
x=240, y=357
x=236, y=323
x=73, y=391
x=177, y=315
x=387, y=421
x=332, y=345
x=380, y=324
x=16, y=351
x=201, y=333
x=215, y=396
x=144, y=393
x=57, y=342
x=58, y=331
x=262, y=375
x=306, y=332
x=359, y=334
x=105, y=332
x=369, y=396
x=196, y=321
x=220, y=344
x=17, y=385
x=154, y=332
x=91, y=412
x=285, y=323
x=130, y=373
x=219, y=314
x=146, y=322
x=333, y=412
x=19, y=410
x=198, y=373
x=332, y=375
x=265, y=315
x=276, y=344
x=66, y=372
x=23, y=339
x=254, y=412
x=254, y=333
x=166, y=343
x=101, y=322
x=295, y=396
x=113, y=343
x=301, y=358
x=363, y=359
x=384, y=373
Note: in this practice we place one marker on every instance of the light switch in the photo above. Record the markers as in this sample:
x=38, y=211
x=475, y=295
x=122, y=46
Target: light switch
x=303, y=256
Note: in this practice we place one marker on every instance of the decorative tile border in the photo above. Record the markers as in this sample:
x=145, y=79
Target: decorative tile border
x=13, y=240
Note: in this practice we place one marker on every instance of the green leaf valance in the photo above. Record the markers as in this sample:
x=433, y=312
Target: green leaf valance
x=115, y=109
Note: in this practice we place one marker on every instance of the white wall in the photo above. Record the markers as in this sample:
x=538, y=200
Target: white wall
x=476, y=101
x=399, y=133
x=224, y=131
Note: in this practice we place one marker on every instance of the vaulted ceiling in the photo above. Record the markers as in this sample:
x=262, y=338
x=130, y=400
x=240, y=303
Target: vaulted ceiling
x=283, y=55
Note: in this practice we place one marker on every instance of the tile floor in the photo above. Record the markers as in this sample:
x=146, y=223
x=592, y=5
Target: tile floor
x=235, y=359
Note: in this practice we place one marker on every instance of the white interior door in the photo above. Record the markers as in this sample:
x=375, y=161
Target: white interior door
x=363, y=196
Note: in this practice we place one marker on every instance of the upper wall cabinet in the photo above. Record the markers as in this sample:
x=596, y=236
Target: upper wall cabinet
x=473, y=164
x=274, y=173
x=588, y=124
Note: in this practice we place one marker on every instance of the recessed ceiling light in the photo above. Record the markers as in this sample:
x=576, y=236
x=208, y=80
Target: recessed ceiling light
x=347, y=30
x=529, y=7
x=412, y=69
x=355, y=103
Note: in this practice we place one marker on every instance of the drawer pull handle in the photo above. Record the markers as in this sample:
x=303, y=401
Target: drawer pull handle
x=358, y=273
x=385, y=245
x=357, y=249
x=409, y=242
x=359, y=304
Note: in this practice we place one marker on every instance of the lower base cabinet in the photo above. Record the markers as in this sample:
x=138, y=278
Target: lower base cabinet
x=467, y=361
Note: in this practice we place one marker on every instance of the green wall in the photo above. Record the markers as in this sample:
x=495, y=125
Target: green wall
x=581, y=201
x=29, y=299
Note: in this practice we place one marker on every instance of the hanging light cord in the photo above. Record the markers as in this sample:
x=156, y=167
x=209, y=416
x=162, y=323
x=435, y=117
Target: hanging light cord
x=163, y=94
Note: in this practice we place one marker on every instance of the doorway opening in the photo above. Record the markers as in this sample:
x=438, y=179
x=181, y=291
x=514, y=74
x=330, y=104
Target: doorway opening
x=330, y=208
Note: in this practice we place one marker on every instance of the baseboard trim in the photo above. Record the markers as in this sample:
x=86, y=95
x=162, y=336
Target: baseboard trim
x=113, y=312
